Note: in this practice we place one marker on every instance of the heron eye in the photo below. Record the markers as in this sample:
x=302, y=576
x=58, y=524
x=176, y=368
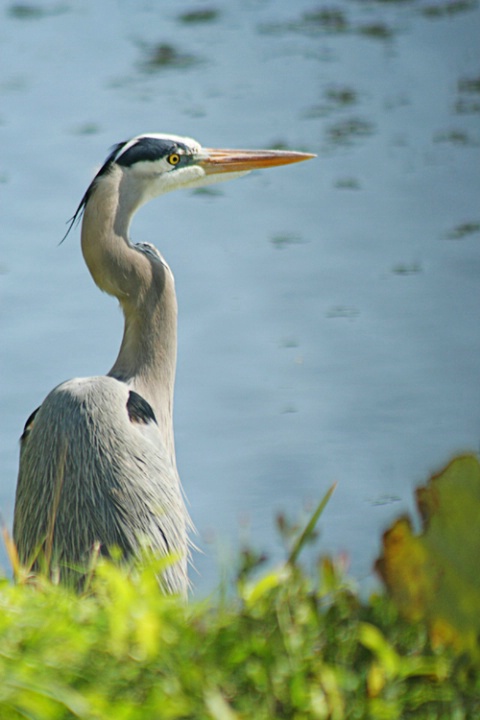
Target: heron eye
x=173, y=158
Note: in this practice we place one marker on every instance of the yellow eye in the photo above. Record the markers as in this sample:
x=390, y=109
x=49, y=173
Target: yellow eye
x=173, y=158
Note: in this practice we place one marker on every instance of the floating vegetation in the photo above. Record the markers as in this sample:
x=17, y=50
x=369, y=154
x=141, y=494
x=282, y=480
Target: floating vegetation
x=289, y=409
x=449, y=7
x=26, y=11
x=286, y=240
x=377, y=30
x=464, y=230
x=342, y=96
x=326, y=20
x=166, y=56
x=455, y=137
x=88, y=128
x=342, y=311
x=289, y=343
x=385, y=500
x=202, y=15
x=407, y=269
x=209, y=191
x=346, y=131
x=348, y=183
x=331, y=20
x=466, y=104
x=469, y=85
x=335, y=99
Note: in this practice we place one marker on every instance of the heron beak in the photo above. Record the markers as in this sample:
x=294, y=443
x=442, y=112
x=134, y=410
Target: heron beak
x=232, y=161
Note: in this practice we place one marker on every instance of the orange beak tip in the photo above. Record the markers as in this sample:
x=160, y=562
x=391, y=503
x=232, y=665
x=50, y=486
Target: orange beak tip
x=223, y=161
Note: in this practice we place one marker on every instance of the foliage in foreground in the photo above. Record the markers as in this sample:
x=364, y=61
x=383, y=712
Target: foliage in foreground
x=287, y=646
x=434, y=575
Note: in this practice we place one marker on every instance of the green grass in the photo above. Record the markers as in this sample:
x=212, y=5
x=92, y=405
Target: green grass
x=282, y=644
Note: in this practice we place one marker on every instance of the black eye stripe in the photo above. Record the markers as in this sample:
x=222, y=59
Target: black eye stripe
x=148, y=149
x=145, y=150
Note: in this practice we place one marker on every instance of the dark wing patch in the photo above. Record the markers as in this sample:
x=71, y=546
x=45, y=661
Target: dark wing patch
x=28, y=425
x=139, y=410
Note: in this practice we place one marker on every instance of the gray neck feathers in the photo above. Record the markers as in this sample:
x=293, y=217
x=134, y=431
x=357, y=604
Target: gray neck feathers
x=145, y=288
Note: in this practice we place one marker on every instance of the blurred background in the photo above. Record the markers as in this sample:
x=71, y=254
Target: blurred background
x=328, y=311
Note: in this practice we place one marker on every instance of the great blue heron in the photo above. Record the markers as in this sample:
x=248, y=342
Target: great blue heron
x=97, y=458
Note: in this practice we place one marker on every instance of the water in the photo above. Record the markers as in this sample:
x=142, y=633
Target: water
x=328, y=323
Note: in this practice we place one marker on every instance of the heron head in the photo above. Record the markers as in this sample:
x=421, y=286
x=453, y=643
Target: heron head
x=152, y=164
x=158, y=163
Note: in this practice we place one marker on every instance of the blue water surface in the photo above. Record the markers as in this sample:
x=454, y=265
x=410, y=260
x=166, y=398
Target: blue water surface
x=329, y=311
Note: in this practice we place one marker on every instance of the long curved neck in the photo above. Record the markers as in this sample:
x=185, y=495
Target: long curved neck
x=144, y=285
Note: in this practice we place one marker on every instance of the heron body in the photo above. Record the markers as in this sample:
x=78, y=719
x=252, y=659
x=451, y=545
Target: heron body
x=97, y=458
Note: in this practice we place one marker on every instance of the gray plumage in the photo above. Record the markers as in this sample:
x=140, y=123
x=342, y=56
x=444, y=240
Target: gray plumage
x=81, y=497
x=97, y=459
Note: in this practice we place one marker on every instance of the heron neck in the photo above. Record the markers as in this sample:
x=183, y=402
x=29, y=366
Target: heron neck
x=148, y=352
x=145, y=288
